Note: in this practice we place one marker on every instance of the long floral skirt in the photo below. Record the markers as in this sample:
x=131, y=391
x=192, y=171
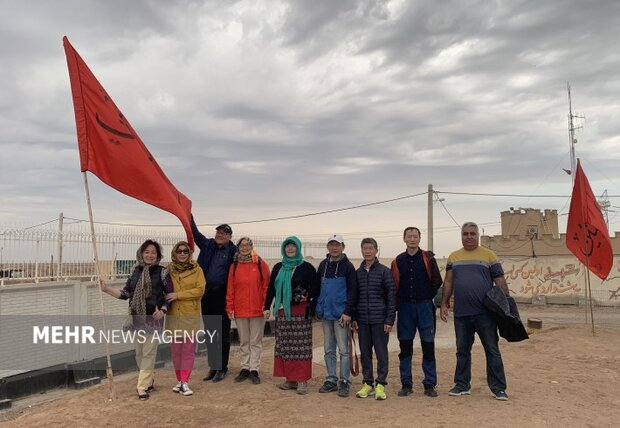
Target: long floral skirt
x=293, y=349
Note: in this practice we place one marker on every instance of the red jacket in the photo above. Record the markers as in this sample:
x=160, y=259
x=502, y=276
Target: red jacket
x=246, y=291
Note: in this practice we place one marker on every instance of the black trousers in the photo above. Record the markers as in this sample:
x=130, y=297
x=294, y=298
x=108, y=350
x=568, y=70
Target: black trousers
x=213, y=303
x=372, y=336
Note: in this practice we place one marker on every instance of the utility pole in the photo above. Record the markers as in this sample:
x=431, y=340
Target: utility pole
x=429, y=240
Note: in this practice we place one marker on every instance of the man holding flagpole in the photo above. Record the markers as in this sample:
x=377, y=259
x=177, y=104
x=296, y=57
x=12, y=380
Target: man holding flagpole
x=215, y=258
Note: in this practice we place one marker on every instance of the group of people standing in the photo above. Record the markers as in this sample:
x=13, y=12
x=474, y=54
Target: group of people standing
x=231, y=282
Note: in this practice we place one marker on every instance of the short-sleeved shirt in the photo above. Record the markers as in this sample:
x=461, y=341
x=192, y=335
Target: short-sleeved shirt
x=473, y=272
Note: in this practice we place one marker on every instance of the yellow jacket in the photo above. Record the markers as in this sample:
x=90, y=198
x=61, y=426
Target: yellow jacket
x=185, y=313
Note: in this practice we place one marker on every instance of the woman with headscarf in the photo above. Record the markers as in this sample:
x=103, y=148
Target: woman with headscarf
x=145, y=289
x=292, y=283
x=248, y=280
x=183, y=320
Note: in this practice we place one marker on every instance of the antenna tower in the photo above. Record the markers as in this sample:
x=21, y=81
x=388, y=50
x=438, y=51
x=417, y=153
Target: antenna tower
x=571, y=133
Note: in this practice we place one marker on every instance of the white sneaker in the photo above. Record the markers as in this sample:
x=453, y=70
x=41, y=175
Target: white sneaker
x=177, y=387
x=184, y=389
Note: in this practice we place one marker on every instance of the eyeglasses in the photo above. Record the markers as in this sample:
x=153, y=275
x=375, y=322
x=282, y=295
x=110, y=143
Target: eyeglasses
x=182, y=251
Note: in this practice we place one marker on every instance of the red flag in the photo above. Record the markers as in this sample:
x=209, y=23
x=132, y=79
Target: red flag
x=113, y=151
x=586, y=233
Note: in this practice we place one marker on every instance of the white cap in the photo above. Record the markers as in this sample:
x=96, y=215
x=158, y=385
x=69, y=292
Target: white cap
x=337, y=238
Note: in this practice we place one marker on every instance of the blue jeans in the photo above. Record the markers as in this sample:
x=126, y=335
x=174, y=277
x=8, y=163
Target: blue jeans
x=486, y=326
x=334, y=334
x=420, y=317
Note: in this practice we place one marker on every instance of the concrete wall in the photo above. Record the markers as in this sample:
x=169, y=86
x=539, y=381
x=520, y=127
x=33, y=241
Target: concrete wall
x=556, y=280
x=20, y=304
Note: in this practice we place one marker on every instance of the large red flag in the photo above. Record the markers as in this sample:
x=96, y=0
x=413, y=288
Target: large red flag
x=113, y=151
x=586, y=233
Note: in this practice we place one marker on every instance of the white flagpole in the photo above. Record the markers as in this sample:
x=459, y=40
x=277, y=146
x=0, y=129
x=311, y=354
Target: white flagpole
x=109, y=372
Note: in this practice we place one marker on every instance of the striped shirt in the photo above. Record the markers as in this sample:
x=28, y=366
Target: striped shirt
x=473, y=272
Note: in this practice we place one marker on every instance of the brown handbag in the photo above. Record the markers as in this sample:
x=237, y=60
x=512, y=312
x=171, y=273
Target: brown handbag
x=355, y=363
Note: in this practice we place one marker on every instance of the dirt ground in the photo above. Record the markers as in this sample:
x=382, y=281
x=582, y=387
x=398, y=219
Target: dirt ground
x=561, y=376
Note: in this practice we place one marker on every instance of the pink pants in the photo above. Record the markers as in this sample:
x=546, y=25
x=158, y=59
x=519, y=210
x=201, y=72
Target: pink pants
x=183, y=359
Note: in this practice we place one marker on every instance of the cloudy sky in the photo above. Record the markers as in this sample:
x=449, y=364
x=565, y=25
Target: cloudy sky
x=263, y=109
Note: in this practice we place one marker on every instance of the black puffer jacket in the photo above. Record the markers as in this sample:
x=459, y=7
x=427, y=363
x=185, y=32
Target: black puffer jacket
x=376, y=301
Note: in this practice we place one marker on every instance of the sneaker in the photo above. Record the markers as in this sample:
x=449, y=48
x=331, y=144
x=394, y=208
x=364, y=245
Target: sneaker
x=243, y=375
x=254, y=377
x=343, y=389
x=405, y=391
x=328, y=387
x=302, y=388
x=184, y=389
x=430, y=391
x=457, y=391
x=380, y=392
x=500, y=395
x=177, y=387
x=287, y=385
x=365, y=391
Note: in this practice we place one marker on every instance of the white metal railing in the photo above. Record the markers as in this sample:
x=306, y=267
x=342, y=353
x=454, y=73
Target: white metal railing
x=62, y=250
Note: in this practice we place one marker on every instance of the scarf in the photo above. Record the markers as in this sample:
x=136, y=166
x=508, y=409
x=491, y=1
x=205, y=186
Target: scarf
x=284, y=289
x=240, y=258
x=143, y=290
x=178, y=267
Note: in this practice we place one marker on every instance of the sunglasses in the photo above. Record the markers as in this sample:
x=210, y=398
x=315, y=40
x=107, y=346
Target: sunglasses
x=182, y=251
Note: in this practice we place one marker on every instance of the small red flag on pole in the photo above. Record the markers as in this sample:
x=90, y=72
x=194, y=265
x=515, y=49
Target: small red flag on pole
x=586, y=232
x=113, y=151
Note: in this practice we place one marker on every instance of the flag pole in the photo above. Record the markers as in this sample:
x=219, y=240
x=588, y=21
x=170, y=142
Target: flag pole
x=109, y=373
x=586, y=281
x=589, y=291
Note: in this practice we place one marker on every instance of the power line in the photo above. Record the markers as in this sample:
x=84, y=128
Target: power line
x=511, y=195
x=335, y=210
x=446, y=210
x=503, y=195
x=290, y=217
